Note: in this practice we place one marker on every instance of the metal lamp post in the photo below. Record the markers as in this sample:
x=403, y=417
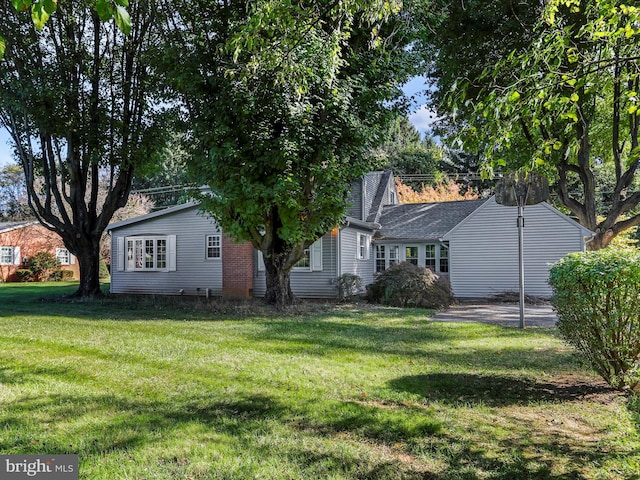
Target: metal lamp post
x=520, y=190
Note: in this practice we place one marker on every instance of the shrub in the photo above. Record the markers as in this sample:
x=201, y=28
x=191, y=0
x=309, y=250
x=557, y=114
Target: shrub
x=59, y=275
x=24, y=275
x=597, y=298
x=104, y=270
x=348, y=285
x=43, y=265
x=407, y=285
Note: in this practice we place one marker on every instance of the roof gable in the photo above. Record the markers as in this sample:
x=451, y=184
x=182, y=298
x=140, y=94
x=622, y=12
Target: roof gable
x=9, y=226
x=149, y=216
x=378, y=201
x=424, y=221
x=492, y=202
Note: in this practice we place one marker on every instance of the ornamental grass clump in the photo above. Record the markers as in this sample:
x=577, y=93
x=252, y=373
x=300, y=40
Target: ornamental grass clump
x=597, y=298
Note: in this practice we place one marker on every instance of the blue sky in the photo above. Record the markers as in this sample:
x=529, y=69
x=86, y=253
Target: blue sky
x=421, y=117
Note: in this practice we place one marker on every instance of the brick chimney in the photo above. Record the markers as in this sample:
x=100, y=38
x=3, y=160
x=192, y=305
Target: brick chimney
x=237, y=268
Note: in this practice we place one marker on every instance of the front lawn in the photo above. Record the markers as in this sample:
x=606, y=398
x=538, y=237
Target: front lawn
x=165, y=390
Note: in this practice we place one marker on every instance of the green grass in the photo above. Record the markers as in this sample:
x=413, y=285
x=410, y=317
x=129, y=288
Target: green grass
x=181, y=389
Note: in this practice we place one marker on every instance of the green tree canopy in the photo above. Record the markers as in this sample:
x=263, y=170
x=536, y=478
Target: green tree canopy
x=285, y=101
x=563, y=103
x=75, y=98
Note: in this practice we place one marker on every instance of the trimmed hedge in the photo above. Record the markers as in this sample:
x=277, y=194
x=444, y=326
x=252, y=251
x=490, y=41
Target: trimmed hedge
x=597, y=298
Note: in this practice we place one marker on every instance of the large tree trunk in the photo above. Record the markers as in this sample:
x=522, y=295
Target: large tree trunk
x=278, y=291
x=88, y=255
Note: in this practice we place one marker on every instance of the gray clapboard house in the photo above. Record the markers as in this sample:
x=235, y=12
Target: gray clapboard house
x=182, y=251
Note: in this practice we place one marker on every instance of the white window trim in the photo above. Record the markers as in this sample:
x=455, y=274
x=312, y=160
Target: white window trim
x=206, y=247
x=388, y=248
x=384, y=257
x=123, y=253
x=315, y=258
x=404, y=252
x=438, y=257
x=63, y=253
x=15, y=255
x=360, y=255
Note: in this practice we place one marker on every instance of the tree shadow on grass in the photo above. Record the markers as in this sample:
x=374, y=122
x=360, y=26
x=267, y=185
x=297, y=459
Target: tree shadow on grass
x=254, y=428
x=496, y=390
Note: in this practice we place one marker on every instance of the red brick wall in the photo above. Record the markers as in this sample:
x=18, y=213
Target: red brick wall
x=31, y=240
x=237, y=268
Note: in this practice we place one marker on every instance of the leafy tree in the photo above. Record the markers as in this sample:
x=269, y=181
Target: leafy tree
x=284, y=101
x=405, y=152
x=41, y=10
x=565, y=103
x=460, y=39
x=75, y=99
x=168, y=169
x=13, y=194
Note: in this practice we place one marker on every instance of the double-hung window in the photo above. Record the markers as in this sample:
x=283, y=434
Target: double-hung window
x=305, y=262
x=63, y=256
x=364, y=242
x=444, y=258
x=381, y=259
x=214, y=247
x=394, y=254
x=147, y=253
x=437, y=257
x=8, y=255
x=430, y=257
x=311, y=260
x=411, y=255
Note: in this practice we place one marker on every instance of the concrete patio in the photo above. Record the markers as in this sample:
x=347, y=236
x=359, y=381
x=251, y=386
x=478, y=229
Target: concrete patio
x=499, y=314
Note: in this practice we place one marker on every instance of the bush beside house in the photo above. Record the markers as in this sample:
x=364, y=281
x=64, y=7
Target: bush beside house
x=407, y=285
x=597, y=298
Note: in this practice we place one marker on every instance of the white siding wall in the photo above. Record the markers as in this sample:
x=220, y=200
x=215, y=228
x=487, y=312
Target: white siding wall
x=309, y=284
x=193, y=270
x=349, y=262
x=484, y=249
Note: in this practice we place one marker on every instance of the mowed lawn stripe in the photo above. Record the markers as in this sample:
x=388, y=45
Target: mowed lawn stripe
x=178, y=389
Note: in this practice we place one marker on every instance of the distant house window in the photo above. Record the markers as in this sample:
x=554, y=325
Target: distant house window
x=7, y=255
x=430, y=257
x=411, y=255
x=63, y=256
x=444, y=258
x=364, y=241
x=381, y=259
x=214, y=247
x=146, y=253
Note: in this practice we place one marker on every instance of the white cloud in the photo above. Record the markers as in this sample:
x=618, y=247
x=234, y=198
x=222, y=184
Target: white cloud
x=423, y=119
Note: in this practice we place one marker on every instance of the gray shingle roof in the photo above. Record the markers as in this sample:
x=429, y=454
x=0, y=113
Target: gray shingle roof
x=7, y=226
x=423, y=221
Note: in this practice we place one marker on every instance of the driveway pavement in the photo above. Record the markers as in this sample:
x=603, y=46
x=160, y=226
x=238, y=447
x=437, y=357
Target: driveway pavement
x=499, y=314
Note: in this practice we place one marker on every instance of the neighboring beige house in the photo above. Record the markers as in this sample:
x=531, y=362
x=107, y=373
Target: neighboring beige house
x=19, y=241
